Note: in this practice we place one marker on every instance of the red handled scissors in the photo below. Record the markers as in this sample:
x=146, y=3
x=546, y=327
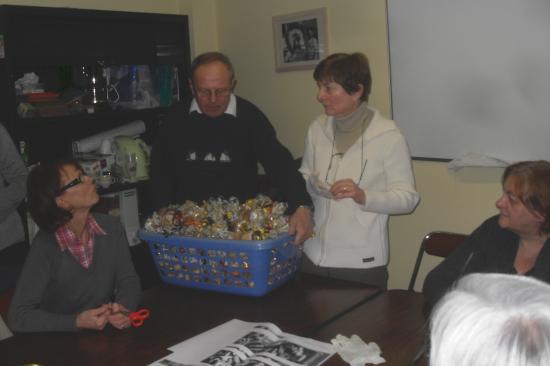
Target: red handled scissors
x=138, y=317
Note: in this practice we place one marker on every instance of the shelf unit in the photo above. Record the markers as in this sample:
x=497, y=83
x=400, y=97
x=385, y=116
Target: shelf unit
x=47, y=40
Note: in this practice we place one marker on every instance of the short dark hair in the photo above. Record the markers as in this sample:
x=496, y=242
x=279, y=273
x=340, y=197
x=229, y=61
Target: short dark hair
x=348, y=70
x=208, y=58
x=533, y=186
x=43, y=186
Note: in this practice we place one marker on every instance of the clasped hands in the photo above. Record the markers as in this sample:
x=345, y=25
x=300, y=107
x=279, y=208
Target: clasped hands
x=97, y=318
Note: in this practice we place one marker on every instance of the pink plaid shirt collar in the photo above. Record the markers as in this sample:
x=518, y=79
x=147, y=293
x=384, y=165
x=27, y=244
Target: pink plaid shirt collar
x=82, y=252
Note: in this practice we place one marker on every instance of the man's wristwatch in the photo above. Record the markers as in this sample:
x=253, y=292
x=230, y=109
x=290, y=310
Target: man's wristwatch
x=309, y=207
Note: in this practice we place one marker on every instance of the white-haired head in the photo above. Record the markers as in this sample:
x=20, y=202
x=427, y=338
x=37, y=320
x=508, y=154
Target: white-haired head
x=492, y=320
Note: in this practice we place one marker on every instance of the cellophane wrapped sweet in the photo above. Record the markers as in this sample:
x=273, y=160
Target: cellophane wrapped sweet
x=258, y=218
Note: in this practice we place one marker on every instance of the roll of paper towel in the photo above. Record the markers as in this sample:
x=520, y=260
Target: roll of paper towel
x=93, y=142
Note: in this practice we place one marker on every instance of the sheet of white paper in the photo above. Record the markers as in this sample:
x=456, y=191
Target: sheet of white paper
x=233, y=343
x=476, y=160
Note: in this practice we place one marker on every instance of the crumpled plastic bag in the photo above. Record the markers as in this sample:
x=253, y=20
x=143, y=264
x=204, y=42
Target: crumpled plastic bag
x=356, y=352
x=27, y=83
x=319, y=187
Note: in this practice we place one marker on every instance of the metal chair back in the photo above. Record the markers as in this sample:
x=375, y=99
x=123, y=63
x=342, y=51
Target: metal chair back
x=436, y=243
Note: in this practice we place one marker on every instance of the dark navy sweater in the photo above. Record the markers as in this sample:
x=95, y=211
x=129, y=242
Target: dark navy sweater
x=196, y=157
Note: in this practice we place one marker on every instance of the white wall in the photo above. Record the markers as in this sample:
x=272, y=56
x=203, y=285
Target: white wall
x=288, y=98
x=203, y=24
x=451, y=201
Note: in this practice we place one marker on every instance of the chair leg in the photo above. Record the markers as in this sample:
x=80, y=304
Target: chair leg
x=416, y=268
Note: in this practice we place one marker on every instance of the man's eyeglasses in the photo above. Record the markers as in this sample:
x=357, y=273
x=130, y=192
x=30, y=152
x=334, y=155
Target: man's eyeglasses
x=207, y=93
x=72, y=183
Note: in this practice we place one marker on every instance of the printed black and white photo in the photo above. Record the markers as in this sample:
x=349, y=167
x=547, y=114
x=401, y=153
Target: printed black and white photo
x=264, y=341
x=257, y=341
x=300, y=39
x=296, y=353
x=223, y=358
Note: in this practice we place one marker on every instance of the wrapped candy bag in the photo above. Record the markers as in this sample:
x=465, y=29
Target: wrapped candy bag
x=258, y=218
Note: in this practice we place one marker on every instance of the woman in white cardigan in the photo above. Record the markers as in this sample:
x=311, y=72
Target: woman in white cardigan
x=358, y=171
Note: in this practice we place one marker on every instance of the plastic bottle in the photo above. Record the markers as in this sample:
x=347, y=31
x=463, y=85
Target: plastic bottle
x=23, y=152
x=134, y=83
x=165, y=92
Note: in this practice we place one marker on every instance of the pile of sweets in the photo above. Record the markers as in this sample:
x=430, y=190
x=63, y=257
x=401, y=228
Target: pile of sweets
x=258, y=218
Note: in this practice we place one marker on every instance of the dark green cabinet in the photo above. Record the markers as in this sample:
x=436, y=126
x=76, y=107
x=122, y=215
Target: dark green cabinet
x=57, y=44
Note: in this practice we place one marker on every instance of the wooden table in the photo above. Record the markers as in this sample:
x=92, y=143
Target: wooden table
x=395, y=320
x=178, y=313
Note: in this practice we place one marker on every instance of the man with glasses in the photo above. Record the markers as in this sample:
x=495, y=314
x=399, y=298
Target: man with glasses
x=212, y=148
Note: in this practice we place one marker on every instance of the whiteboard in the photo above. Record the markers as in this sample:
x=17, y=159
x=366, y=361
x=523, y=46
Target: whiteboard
x=471, y=76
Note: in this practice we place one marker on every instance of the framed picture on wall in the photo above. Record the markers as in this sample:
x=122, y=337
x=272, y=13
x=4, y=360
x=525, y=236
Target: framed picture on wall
x=300, y=39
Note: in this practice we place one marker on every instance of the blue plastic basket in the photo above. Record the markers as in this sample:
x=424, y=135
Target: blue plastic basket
x=245, y=267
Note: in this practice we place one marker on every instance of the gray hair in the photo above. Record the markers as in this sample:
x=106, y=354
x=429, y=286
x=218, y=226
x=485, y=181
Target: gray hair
x=210, y=57
x=492, y=319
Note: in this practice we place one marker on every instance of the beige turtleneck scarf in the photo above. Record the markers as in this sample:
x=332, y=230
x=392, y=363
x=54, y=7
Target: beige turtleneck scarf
x=349, y=129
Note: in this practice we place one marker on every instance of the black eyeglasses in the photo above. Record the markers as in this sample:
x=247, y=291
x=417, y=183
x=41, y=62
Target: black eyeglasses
x=72, y=183
x=339, y=155
x=207, y=93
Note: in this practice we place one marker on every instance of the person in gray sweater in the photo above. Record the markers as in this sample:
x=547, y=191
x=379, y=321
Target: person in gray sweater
x=13, y=182
x=79, y=273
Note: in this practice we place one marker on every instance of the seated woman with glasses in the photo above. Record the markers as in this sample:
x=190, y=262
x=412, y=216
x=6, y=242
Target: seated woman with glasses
x=358, y=171
x=79, y=273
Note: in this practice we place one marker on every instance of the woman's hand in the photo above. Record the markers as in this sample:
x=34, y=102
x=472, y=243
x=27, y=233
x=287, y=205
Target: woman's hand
x=346, y=188
x=93, y=318
x=118, y=316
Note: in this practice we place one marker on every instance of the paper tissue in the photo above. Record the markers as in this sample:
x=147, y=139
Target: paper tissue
x=356, y=352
